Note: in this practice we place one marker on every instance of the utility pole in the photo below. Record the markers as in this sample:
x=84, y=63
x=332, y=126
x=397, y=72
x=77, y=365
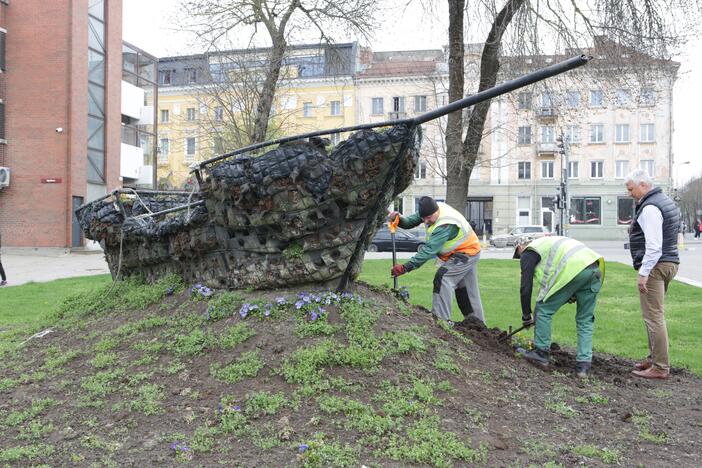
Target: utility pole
x=563, y=197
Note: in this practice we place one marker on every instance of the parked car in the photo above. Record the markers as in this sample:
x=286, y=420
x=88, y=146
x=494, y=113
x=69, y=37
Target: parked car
x=511, y=239
x=405, y=241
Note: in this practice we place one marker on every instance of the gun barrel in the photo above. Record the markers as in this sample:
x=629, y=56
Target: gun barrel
x=503, y=88
x=506, y=87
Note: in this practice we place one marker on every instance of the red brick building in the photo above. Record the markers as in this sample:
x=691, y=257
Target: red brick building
x=60, y=124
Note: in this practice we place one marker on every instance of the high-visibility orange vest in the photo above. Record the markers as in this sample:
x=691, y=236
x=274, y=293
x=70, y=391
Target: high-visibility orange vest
x=465, y=242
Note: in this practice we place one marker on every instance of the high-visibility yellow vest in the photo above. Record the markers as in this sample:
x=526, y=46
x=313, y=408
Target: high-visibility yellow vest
x=562, y=258
x=465, y=242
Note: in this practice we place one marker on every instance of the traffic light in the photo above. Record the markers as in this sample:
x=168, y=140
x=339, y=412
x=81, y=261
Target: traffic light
x=557, y=202
x=560, y=144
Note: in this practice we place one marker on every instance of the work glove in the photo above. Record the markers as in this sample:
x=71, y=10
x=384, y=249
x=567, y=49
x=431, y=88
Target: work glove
x=527, y=320
x=398, y=270
x=393, y=215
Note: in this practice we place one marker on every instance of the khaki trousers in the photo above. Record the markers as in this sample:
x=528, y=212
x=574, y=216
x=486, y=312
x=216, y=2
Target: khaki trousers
x=653, y=312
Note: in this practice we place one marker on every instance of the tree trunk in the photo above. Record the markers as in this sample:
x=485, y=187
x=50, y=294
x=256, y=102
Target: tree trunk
x=454, y=122
x=489, y=67
x=265, y=102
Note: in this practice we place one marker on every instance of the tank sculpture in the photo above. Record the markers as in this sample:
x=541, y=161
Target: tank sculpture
x=292, y=215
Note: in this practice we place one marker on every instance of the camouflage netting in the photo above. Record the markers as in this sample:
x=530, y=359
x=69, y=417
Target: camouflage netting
x=293, y=215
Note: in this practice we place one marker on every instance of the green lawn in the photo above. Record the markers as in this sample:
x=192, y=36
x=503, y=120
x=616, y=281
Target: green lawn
x=29, y=305
x=619, y=328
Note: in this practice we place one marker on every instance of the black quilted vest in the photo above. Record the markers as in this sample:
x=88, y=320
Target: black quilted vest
x=671, y=223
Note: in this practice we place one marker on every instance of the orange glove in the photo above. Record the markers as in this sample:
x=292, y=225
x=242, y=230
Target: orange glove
x=398, y=270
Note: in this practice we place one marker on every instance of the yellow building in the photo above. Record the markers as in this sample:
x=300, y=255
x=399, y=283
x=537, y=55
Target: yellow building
x=204, y=102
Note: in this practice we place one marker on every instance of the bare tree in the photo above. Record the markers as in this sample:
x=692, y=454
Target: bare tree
x=650, y=28
x=691, y=201
x=228, y=100
x=215, y=21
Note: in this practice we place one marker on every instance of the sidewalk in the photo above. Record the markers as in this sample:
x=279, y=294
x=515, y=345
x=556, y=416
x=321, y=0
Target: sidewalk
x=49, y=264
x=38, y=265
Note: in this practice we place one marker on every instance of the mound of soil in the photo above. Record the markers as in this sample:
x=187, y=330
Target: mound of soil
x=248, y=379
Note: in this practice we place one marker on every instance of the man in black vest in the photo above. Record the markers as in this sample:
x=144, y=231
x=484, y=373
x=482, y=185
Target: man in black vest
x=653, y=240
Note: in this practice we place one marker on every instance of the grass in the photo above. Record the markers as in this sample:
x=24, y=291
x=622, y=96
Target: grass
x=619, y=328
x=31, y=303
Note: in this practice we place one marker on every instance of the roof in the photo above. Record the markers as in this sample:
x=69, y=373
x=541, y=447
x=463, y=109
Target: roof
x=403, y=63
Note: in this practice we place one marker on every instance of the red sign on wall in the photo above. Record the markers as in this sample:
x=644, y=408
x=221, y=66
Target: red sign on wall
x=51, y=180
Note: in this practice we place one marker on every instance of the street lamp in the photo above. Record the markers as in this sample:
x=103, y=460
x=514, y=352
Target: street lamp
x=677, y=172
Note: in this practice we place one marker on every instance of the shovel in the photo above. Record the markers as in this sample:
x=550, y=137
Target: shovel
x=402, y=292
x=511, y=333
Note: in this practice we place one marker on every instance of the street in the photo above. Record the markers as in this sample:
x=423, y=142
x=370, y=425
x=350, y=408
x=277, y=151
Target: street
x=44, y=265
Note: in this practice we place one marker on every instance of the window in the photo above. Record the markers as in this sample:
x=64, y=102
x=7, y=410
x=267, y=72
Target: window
x=335, y=107
x=420, y=103
x=307, y=109
x=524, y=170
x=398, y=205
x=546, y=100
x=377, y=105
x=190, y=75
x=2, y=50
x=524, y=136
x=547, y=169
x=596, y=169
x=621, y=133
x=572, y=133
x=524, y=100
x=572, y=99
x=219, y=114
x=623, y=97
x=585, y=210
x=647, y=165
x=421, y=171
x=548, y=133
x=573, y=167
x=597, y=133
x=189, y=148
x=648, y=97
x=164, y=115
x=398, y=104
x=596, y=98
x=165, y=77
x=625, y=210
x=646, y=134
x=621, y=169
x=164, y=150
x=335, y=138
x=190, y=113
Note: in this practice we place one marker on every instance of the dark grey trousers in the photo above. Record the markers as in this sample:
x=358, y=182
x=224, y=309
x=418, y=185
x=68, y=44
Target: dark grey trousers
x=458, y=274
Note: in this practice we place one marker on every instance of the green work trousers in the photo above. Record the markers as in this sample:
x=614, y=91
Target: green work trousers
x=584, y=287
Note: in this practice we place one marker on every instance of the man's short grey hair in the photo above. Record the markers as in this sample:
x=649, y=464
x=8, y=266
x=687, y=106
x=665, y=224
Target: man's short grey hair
x=639, y=176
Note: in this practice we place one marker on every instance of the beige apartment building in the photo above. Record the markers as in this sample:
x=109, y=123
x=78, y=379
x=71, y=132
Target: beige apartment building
x=615, y=116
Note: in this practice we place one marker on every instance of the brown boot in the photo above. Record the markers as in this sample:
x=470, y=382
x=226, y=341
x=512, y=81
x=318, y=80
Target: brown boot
x=652, y=373
x=643, y=365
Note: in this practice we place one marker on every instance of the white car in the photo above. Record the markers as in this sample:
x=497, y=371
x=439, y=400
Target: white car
x=519, y=232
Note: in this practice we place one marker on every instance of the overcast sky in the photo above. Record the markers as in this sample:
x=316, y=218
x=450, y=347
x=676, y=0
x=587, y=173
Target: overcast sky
x=150, y=25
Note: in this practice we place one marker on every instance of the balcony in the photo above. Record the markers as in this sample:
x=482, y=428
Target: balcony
x=131, y=161
x=546, y=113
x=397, y=115
x=546, y=149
